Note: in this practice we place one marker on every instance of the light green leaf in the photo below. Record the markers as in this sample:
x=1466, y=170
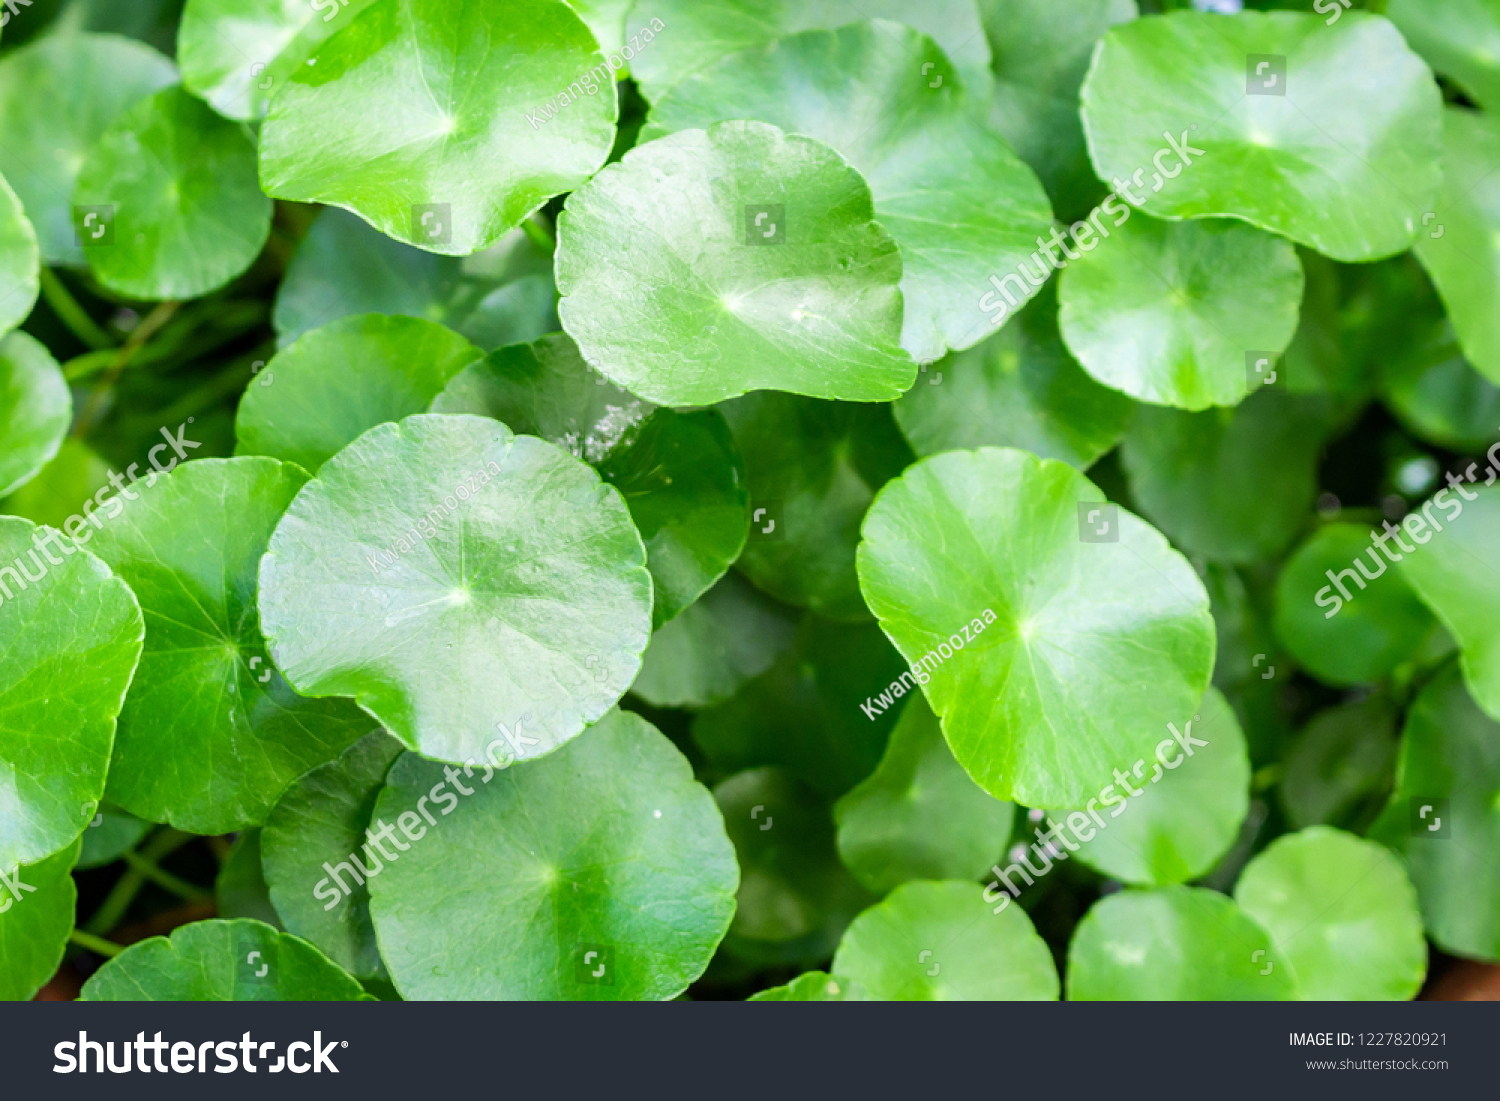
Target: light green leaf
x=1177, y=944
x=19, y=281
x=939, y=942
x=890, y=102
x=237, y=54
x=919, y=816
x=606, y=21
x=210, y=736
x=670, y=292
x=334, y=383
x=1358, y=114
x=60, y=488
x=814, y=467
x=34, y=928
x=57, y=96
x=35, y=409
x=1458, y=38
x=814, y=986
x=222, y=961
x=1342, y=913
x=680, y=473
x=1069, y=678
x=1170, y=312
x=324, y=817
x=183, y=215
x=523, y=606
x=1020, y=388
x=108, y=837
x=608, y=847
x=464, y=113
x=74, y=632
x=1343, y=757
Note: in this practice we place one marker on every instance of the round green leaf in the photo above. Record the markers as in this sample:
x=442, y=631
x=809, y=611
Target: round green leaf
x=210, y=736
x=1449, y=770
x=108, y=837
x=1342, y=913
x=334, y=383
x=1020, y=388
x=674, y=291
x=680, y=473
x=175, y=185
x=1177, y=944
x=890, y=102
x=940, y=942
x=1352, y=112
x=694, y=35
x=1458, y=38
x=1087, y=649
x=1354, y=640
x=240, y=890
x=1439, y=398
x=1457, y=575
x=1343, y=757
x=523, y=606
x=34, y=928
x=919, y=816
x=814, y=467
x=57, y=95
x=443, y=126
x=1169, y=312
x=35, y=409
x=729, y=635
x=60, y=488
x=222, y=961
x=19, y=280
x=237, y=54
x=609, y=847
x=74, y=634
x=323, y=817
x=503, y=295
x=813, y=986
x=1177, y=830
x=1233, y=485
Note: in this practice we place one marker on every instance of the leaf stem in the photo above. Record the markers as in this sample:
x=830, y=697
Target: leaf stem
x=97, y=945
x=164, y=879
x=71, y=314
x=118, y=901
x=540, y=235
x=143, y=332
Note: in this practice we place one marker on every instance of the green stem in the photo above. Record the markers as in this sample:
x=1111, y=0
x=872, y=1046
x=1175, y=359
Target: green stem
x=540, y=235
x=97, y=945
x=142, y=333
x=81, y=367
x=166, y=880
x=118, y=901
x=71, y=314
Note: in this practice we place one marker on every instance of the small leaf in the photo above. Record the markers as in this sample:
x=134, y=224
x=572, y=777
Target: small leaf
x=1273, y=118
x=240, y=889
x=919, y=816
x=1176, y=944
x=813, y=986
x=1341, y=912
x=75, y=634
x=34, y=928
x=674, y=291
x=210, y=735
x=972, y=562
x=35, y=409
x=523, y=606
x=18, y=261
x=222, y=961
x=1343, y=757
x=1169, y=312
x=334, y=383
x=1439, y=398
x=107, y=841
x=939, y=942
x=608, y=847
x=443, y=126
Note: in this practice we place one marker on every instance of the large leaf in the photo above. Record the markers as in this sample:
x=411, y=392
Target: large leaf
x=919, y=816
x=680, y=473
x=183, y=214
x=1020, y=388
x=973, y=560
x=35, y=410
x=1458, y=38
x=692, y=35
x=34, y=927
x=1352, y=111
x=74, y=635
x=57, y=95
x=324, y=817
x=608, y=847
x=443, y=125
x=673, y=289
x=336, y=382
x=237, y=54
x=813, y=467
x=887, y=98
x=1342, y=913
x=523, y=606
x=940, y=942
x=1169, y=312
x=18, y=261
x=210, y=736
x=1175, y=944
x=222, y=961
